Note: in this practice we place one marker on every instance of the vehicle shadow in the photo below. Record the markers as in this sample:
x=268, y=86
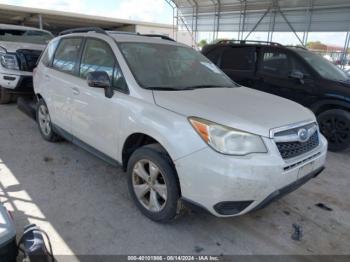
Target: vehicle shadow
x=84, y=205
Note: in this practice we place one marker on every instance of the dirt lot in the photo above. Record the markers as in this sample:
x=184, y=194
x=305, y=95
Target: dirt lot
x=84, y=205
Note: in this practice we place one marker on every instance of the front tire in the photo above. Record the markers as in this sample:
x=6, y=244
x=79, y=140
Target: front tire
x=335, y=126
x=5, y=96
x=152, y=182
x=44, y=122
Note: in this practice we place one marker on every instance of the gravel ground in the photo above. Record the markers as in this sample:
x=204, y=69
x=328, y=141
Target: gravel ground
x=84, y=205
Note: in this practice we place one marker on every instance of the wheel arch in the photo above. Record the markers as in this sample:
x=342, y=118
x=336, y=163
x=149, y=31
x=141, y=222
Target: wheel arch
x=137, y=140
x=38, y=96
x=328, y=104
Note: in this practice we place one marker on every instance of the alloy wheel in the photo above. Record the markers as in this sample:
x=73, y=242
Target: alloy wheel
x=44, y=120
x=149, y=185
x=336, y=129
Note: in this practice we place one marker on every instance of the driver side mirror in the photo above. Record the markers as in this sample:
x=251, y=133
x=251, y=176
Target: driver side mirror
x=100, y=79
x=297, y=75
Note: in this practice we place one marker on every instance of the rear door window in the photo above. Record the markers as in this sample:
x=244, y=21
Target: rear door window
x=297, y=65
x=275, y=62
x=238, y=58
x=67, y=54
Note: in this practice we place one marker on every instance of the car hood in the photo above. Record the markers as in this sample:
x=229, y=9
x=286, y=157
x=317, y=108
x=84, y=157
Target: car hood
x=241, y=108
x=12, y=47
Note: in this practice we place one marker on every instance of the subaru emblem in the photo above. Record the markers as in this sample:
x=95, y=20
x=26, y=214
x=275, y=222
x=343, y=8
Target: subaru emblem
x=303, y=135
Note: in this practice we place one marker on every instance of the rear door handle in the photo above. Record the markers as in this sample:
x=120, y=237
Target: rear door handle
x=75, y=91
x=47, y=76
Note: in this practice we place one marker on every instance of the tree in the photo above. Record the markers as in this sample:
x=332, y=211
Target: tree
x=202, y=43
x=317, y=45
x=220, y=39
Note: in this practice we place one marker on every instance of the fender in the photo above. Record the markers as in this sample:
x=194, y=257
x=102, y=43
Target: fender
x=166, y=127
x=334, y=100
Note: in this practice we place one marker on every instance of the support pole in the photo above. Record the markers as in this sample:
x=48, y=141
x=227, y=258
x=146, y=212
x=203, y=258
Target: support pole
x=346, y=46
x=173, y=7
x=309, y=21
x=196, y=24
x=177, y=22
x=214, y=20
x=240, y=21
x=272, y=23
x=275, y=4
x=218, y=19
x=41, y=25
x=179, y=18
x=243, y=21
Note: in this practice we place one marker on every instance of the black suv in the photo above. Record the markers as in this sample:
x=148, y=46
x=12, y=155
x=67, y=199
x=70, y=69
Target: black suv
x=294, y=73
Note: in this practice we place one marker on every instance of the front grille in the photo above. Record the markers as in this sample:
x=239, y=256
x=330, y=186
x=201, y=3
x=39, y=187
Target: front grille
x=294, y=149
x=27, y=59
x=301, y=162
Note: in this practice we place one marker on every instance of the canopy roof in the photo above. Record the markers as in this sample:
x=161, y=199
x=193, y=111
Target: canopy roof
x=265, y=15
x=57, y=21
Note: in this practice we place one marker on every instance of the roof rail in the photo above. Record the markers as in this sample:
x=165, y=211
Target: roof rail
x=83, y=30
x=249, y=41
x=121, y=32
x=164, y=37
x=101, y=31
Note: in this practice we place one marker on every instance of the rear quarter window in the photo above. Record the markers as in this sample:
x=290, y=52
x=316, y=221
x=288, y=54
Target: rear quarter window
x=66, y=55
x=49, y=52
x=214, y=55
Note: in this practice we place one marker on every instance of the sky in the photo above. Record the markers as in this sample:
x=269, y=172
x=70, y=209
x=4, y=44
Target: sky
x=160, y=12
x=145, y=10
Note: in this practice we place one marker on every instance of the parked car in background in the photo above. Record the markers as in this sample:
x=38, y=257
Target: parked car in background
x=347, y=71
x=182, y=129
x=20, y=48
x=329, y=58
x=8, y=245
x=294, y=73
x=347, y=67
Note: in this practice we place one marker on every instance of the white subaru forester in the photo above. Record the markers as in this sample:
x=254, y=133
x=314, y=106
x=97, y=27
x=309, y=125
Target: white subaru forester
x=181, y=128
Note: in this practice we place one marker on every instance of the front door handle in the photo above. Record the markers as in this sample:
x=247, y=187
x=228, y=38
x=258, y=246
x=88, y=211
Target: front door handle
x=75, y=91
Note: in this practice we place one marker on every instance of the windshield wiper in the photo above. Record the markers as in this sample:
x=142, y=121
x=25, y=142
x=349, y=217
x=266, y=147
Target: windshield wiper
x=165, y=88
x=207, y=86
x=162, y=88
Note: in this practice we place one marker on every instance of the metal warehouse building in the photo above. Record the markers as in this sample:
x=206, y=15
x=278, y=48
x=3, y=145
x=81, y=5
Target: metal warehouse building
x=57, y=21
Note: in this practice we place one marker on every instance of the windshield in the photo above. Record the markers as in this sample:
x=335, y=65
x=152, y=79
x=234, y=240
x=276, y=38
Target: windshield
x=164, y=67
x=25, y=36
x=325, y=68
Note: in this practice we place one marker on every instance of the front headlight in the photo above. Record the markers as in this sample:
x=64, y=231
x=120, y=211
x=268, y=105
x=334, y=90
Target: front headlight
x=227, y=140
x=9, y=61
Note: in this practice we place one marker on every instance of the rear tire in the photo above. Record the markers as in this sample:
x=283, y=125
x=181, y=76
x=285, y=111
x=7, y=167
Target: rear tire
x=153, y=184
x=335, y=126
x=5, y=96
x=44, y=122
